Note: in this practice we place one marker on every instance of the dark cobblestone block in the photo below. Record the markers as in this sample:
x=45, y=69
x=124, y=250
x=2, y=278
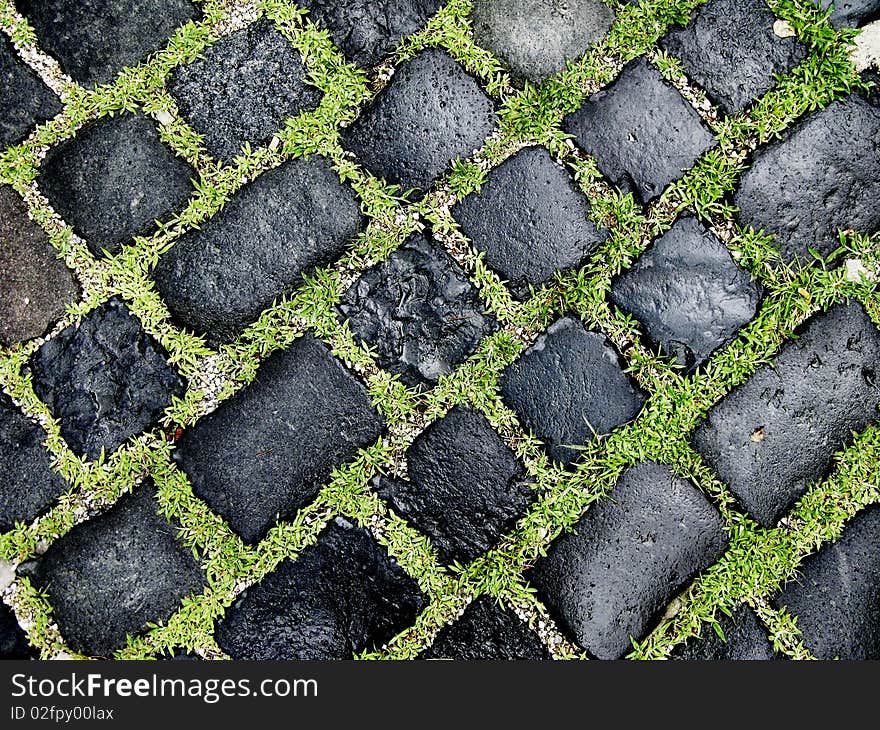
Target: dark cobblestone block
x=535, y=38
x=823, y=176
x=114, y=179
x=530, y=219
x=778, y=431
x=629, y=555
x=219, y=278
x=104, y=380
x=689, y=293
x=569, y=387
x=418, y=311
x=266, y=451
x=366, y=30
x=466, y=488
x=641, y=131
x=431, y=113
x=730, y=49
x=836, y=596
x=26, y=100
x=34, y=285
x=111, y=576
x=94, y=39
x=340, y=596
x=745, y=639
x=13, y=641
x=851, y=12
x=243, y=89
x=487, y=631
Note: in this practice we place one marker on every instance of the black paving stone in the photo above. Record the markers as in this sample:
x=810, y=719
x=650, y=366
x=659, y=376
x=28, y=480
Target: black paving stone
x=779, y=430
x=852, y=13
x=367, y=31
x=340, y=596
x=418, y=311
x=688, y=292
x=35, y=286
x=535, y=38
x=730, y=49
x=745, y=639
x=94, y=39
x=836, y=595
x=569, y=387
x=242, y=89
x=266, y=451
x=629, y=555
x=641, y=131
x=431, y=113
x=114, y=179
x=530, y=219
x=466, y=488
x=105, y=380
x=823, y=176
x=487, y=631
x=218, y=279
x=13, y=641
x=26, y=100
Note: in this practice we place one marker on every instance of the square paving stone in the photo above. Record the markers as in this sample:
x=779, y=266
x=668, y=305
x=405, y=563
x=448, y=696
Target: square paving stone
x=111, y=576
x=418, y=311
x=13, y=641
x=26, y=100
x=242, y=89
x=641, y=131
x=531, y=220
x=851, y=12
x=569, y=387
x=777, y=432
x=466, y=488
x=535, y=38
x=35, y=286
x=341, y=595
x=28, y=486
x=823, y=176
x=114, y=179
x=609, y=581
x=266, y=451
x=219, y=278
x=431, y=113
x=366, y=30
x=487, y=631
x=730, y=49
x=94, y=39
x=689, y=293
x=105, y=380
x=745, y=639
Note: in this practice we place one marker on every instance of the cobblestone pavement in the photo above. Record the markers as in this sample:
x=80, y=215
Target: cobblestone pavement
x=399, y=329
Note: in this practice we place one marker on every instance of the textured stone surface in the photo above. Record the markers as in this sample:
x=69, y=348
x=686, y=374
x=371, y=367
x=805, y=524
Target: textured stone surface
x=745, y=639
x=466, y=488
x=242, y=89
x=366, y=30
x=530, y=219
x=26, y=100
x=486, y=631
x=569, y=387
x=266, y=451
x=535, y=38
x=28, y=486
x=218, y=279
x=94, y=39
x=779, y=430
x=629, y=555
x=35, y=285
x=340, y=596
x=836, y=595
x=418, y=311
x=852, y=12
x=114, y=179
x=641, y=131
x=824, y=175
x=431, y=113
x=13, y=641
x=688, y=292
x=104, y=380
x=113, y=575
